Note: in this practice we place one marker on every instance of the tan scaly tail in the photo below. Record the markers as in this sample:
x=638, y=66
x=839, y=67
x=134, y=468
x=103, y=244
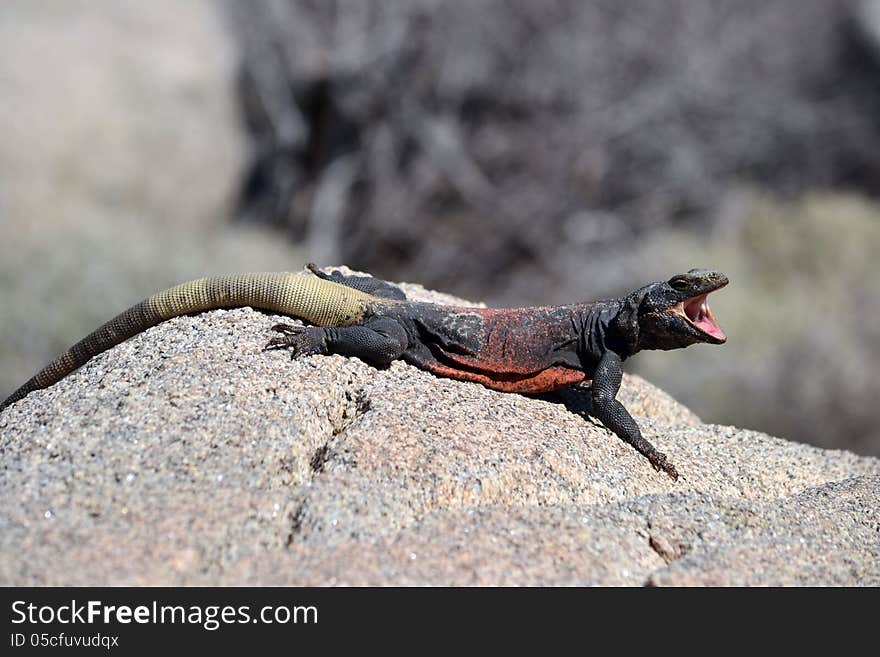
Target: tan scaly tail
x=308, y=297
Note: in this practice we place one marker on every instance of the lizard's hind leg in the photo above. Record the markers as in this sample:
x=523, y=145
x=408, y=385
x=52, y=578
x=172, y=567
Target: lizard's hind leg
x=368, y=284
x=378, y=341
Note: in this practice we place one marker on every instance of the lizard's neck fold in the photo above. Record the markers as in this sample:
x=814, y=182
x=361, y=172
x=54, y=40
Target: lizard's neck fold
x=625, y=325
x=608, y=326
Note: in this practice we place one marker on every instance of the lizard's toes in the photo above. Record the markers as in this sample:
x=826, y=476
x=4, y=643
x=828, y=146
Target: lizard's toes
x=279, y=342
x=660, y=462
x=291, y=336
x=301, y=340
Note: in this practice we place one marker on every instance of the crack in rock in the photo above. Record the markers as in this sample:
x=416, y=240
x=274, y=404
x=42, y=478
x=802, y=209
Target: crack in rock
x=357, y=404
x=666, y=549
x=296, y=522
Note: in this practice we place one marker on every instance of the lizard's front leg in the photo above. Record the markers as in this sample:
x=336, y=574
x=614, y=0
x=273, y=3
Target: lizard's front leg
x=611, y=413
x=378, y=341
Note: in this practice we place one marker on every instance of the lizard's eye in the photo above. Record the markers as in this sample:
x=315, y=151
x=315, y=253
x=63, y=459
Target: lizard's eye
x=680, y=284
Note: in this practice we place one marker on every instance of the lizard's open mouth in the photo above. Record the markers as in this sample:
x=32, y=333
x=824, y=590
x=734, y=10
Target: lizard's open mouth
x=696, y=311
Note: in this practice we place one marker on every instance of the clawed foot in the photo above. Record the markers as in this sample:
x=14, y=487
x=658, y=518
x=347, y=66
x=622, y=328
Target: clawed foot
x=661, y=463
x=299, y=339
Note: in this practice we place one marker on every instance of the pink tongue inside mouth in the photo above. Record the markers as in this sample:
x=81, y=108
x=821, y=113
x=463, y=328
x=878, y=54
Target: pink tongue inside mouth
x=697, y=310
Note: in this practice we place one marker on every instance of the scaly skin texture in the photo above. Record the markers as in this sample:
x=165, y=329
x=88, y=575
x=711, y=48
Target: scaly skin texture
x=525, y=350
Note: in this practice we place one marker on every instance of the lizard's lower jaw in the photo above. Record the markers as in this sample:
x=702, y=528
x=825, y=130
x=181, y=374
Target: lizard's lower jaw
x=696, y=311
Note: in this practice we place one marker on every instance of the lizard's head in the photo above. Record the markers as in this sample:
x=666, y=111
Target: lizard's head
x=674, y=314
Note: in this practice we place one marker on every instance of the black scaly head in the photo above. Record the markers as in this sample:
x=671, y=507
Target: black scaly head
x=674, y=314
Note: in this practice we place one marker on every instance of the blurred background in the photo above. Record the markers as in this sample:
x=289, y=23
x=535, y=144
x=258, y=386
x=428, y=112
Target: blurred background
x=513, y=152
